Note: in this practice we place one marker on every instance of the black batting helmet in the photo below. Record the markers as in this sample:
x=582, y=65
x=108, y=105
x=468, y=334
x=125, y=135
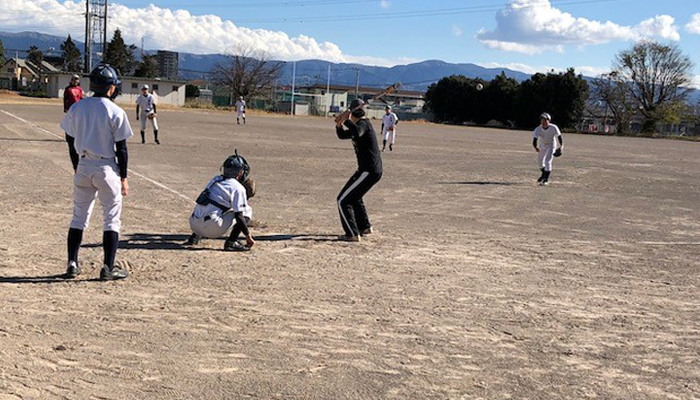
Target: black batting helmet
x=102, y=77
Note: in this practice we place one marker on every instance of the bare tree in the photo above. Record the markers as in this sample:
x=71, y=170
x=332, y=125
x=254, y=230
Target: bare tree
x=247, y=72
x=658, y=77
x=614, y=93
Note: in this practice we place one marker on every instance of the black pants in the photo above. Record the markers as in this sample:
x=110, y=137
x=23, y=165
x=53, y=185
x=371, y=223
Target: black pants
x=353, y=215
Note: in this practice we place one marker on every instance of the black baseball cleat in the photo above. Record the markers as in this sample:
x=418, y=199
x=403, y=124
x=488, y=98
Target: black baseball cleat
x=541, y=178
x=234, y=245
x=73, y=270
x=112, y=274
x=348, y=238
x=367, y=231
x=157, y=141
x=193, y=240
x=391, y=147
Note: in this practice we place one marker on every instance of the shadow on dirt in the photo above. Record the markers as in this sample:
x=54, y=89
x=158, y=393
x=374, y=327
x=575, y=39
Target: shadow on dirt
x=480, y=183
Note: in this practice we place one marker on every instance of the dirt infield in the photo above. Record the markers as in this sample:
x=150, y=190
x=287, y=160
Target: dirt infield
x=477, y=285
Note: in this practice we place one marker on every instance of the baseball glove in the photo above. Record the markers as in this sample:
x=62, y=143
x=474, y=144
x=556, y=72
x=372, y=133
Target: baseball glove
x=249, y=186
x=558, y=152
x=151, y=115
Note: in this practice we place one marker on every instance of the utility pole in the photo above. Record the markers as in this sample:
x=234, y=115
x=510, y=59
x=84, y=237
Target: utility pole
x=357, y=83
x=328, y=92
x=294, y=77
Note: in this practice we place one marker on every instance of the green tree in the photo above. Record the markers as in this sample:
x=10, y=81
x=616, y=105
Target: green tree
x=71, y=56
x=119, y=55
x=35, y=56
x=191, y=91
x=563, y=95
x=658, y=76
x=453, y=99
x=2, y=54
x=498, y=100
x=147, y=68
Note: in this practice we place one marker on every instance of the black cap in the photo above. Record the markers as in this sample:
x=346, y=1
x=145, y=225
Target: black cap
x=357, y=103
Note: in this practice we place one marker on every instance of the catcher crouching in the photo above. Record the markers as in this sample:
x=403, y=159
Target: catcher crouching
x=223, y=206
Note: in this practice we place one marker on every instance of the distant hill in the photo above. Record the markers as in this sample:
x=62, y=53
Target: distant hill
x=416, y=76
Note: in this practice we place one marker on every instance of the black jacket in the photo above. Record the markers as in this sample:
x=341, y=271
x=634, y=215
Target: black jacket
x=365, y=141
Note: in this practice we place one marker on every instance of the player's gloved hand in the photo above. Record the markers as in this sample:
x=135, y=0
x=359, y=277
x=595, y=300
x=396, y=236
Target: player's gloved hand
x=249, y=240
x=125, y=187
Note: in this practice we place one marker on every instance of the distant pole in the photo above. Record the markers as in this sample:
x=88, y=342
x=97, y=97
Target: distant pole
x=88, y=50
x=294, y=77
x=328, y=92
x=357, y=83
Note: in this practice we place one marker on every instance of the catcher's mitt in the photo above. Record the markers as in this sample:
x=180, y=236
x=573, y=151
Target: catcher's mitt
x=249, y=186
x=558, y=152
x=151, y=115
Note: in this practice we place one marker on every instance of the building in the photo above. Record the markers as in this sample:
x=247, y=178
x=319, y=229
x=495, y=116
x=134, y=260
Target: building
x=168, y=64
x=20, y=74
x=170, y=92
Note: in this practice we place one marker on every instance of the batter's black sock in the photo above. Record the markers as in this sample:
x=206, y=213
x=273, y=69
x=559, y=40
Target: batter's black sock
x=143, y=137
x=110, y=243
x=384, y=145
x=155, y=134
x=545, y=177
x=75, y=237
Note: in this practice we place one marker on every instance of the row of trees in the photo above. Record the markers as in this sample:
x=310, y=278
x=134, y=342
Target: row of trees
x=457, y=99
x=650, y=79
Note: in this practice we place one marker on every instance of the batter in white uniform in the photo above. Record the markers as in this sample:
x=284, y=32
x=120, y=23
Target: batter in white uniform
x=544, y=140
x=389, y=122
x=223, y=206
x=145, y=111
x=97, y=131
x=240, y=108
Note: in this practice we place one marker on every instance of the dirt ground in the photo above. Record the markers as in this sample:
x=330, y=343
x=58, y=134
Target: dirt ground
x=477, y=285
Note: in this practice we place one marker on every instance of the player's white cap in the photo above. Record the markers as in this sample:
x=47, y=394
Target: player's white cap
x=546, y=116
x=388, y=107
x=144, y=87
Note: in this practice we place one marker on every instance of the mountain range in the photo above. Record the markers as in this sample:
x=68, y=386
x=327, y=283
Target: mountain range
x=416, y=76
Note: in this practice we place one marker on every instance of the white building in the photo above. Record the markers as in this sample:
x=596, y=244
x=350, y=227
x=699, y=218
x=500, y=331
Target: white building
x=166, y=91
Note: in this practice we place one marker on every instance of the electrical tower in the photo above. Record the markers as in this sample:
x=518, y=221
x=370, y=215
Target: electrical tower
x=95, y=32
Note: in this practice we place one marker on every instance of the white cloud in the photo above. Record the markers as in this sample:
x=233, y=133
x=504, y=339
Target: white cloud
x=534, y=26
x=694, y=25
x=530, y=69
x=457, y=31
x=385, y=4
x=176, y=30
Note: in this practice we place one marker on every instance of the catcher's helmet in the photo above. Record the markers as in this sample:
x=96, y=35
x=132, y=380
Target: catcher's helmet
x=102, y=77
x=546, y=116
x=234, y=165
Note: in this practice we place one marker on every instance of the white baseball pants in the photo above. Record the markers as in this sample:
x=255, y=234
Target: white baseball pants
x=388, y=132
x=546, y=156
x=97, y=178
x=214, y=225
x=144, y=120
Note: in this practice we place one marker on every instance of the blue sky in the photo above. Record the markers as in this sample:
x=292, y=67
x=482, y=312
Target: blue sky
x=528, y=35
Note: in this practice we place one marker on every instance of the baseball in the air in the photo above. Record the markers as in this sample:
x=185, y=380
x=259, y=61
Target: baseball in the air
x=479, y=86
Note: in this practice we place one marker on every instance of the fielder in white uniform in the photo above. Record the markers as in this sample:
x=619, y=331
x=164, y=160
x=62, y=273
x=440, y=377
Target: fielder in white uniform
x=389, y=122
x=240, y=108
x=145, y=111
x=223, y=206
x=97, y=131
x=544, y=140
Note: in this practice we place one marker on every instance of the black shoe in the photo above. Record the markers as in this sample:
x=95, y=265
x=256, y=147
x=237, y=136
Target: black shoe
x=193, y=240
x=113, y=274
x=233, y=245
x=348, y=238
x=367, y=231
x=157, y=141
x=541, y=178
x=73, y=270
x=143, y=142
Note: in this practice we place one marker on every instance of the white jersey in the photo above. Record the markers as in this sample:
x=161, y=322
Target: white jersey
x=389, y=120
x=146, y=102
x=546, y=137
x=240, y=106
x=226, y=192
x=97, y=124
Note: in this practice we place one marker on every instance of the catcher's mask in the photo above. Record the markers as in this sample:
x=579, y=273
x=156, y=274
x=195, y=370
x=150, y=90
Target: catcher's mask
x=234, y=165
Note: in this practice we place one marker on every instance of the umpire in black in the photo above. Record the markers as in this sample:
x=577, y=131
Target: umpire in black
x=352, y=124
